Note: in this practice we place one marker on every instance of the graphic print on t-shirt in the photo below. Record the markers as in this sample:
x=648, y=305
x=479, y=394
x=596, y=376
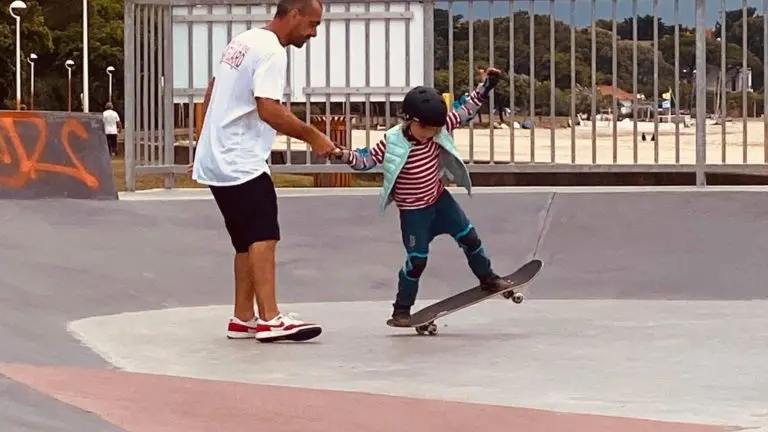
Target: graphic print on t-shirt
x=234, y=54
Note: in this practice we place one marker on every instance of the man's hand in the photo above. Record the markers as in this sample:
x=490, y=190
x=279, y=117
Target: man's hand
x=322, y=145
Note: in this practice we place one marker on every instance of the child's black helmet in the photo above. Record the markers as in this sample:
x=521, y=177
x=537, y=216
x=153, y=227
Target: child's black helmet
x=425, y=105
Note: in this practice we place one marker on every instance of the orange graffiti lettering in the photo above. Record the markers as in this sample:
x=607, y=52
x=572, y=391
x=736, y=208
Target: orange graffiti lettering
x=28, y=165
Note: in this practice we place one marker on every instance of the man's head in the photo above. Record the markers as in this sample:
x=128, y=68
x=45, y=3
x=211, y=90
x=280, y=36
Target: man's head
x=296, y=21
x=108, y=106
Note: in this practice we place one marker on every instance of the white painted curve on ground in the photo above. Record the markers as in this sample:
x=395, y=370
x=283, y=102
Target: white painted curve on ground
x=664, y=360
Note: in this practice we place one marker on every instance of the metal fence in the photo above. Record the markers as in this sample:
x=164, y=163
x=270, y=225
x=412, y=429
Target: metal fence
x=611, y=94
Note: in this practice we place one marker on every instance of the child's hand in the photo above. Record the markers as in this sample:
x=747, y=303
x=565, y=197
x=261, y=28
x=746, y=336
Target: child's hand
x=338, y=153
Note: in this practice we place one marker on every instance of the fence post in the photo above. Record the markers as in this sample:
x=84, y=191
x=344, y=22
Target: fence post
x=701, y=92
x=338, y=136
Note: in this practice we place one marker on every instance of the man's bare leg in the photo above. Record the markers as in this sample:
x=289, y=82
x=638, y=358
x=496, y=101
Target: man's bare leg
x=261, y=256
x=244, y=288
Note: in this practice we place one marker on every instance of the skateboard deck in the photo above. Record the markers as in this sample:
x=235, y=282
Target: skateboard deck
x=424, y=320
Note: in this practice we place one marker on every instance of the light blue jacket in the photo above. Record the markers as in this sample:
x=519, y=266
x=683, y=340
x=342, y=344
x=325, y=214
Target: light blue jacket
x=392, y=152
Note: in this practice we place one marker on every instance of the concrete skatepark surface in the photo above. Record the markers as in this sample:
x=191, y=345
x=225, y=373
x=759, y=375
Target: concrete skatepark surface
x=649, y=314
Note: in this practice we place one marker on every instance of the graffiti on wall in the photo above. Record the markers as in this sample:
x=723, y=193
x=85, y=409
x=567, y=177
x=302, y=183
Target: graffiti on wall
x=25, y=150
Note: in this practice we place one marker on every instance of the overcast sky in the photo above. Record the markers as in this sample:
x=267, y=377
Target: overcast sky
x=604, y=8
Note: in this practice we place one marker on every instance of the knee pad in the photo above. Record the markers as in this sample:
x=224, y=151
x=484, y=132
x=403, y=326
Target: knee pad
x=414, y=266
x=470, y=242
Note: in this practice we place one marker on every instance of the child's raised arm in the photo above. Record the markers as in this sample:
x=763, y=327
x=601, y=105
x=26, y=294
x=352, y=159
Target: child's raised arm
x=467, y=111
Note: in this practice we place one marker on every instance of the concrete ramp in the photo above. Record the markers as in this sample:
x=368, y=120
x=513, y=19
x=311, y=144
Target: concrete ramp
x=54, y=155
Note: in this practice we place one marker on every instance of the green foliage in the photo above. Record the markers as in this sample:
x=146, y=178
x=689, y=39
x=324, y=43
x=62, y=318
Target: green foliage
x=52, y=29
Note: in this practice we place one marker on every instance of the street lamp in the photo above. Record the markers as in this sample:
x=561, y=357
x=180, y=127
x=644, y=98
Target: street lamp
x=85, y=56
x=18, y=4
x=31, y=61
x=110, y=69
x=69, y=65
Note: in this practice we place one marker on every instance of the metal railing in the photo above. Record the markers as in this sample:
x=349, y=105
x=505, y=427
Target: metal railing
x=586, y=93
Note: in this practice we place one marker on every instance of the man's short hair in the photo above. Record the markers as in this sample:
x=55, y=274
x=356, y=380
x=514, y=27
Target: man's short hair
x=285, y=6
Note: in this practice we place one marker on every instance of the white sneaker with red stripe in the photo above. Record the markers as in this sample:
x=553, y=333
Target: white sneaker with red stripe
x=239, y=329
x=286, y=327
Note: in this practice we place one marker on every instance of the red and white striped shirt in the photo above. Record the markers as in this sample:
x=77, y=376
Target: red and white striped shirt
x=419, y=184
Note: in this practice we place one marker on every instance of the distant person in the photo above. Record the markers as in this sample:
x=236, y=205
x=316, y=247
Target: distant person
x=243, y=112
x=111, y=127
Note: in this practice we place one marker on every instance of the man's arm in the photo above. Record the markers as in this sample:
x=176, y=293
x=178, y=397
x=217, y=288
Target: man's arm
x=268, y=87
x=207, y=98
x=285, y=122
x=465, y=113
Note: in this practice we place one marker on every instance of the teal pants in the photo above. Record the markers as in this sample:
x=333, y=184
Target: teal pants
x=419, y=227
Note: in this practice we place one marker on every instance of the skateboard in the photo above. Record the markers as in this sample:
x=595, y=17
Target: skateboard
x=424, y=320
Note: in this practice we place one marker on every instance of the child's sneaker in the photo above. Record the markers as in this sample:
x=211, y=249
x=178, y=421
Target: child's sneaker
x=401, y=317
x=494, y=283
x=286, y=327
x=239, y=329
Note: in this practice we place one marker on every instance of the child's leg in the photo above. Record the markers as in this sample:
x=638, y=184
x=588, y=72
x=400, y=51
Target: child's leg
x=451, y=219
x=415, y=227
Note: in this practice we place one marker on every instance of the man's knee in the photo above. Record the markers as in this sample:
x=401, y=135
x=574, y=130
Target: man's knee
x=470, y=241
x=415, y=265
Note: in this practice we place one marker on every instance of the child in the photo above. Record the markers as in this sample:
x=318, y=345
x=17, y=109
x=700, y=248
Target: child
x=415, y=155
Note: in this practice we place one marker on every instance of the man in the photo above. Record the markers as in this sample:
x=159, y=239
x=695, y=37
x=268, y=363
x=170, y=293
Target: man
x=111, y=127
x=242, y=113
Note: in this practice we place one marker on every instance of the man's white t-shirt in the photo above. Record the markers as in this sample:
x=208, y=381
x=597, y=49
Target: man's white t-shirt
x=235, y=144
x=111, y=118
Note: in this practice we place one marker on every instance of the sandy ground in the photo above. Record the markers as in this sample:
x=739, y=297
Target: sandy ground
x=476, y=144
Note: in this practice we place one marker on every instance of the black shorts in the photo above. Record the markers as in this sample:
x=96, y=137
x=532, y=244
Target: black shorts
x=249, y=210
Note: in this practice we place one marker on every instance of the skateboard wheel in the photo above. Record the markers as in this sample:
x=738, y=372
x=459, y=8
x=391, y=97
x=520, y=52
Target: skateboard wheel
x=432, y=329
x=507, y=295
x=517, y=298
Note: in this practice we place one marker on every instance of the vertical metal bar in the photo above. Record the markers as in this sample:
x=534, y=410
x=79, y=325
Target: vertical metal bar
x=512, y=86
x=191, y=84
x=744, y=84
x=308, y=97
x=348, y=73
x=209, y=43
x=634, y=82
x=491, y=104
x=367, y=78
x=129, y=93
x=471, y=24
x=573, y=81
x=532, y=78
x=701, y=91
x=677, y=81
x=656, y=81
x=451, y=25
x=168, y=86
x=288, y=97
x=552, y=79
x=387, y=66
x=160, y=42
x=593, y=111
x=152, y=105
x=145, y=83
x=722, y=97
x=614, y=79
x=765, y=81
x=328, y=77
x=429, y=41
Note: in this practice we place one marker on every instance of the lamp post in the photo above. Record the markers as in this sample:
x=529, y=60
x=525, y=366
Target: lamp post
x=110, y=69
x=69, y=65
x=31, y=61
x=18, y=4
x=85, y=56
